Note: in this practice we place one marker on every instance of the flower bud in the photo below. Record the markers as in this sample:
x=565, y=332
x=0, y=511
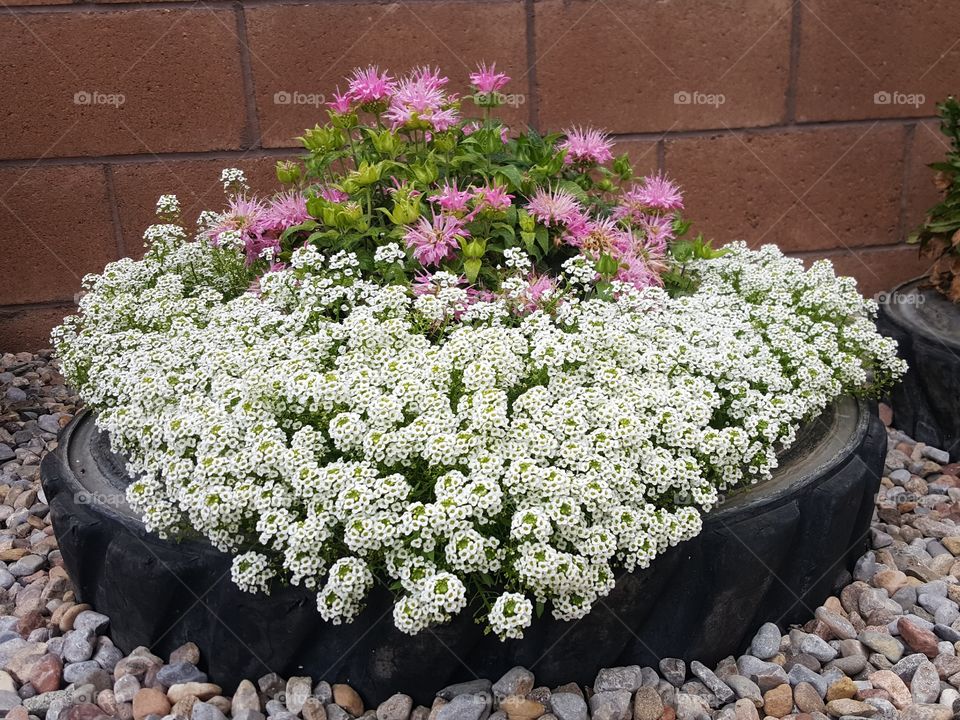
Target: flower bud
x=425, y=173
x=288, y=172
x=607, y=266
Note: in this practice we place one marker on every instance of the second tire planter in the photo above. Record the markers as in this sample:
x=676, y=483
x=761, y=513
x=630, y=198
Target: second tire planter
x=771, y=552
x=926, y=326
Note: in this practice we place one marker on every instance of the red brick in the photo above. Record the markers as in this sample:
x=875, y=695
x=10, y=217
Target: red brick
x=877, y=269
x=12, y=3
x=804, y=190
x=28, y=329
x=852, y=50
x=928, y=146
x=196, y=183
x=177, y=70
x=54, y=228
x=299, y=49
x=643, y=155
x=620, y=65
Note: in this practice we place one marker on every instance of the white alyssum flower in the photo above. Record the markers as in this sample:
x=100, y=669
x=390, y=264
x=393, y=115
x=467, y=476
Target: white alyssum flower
x=329, y=431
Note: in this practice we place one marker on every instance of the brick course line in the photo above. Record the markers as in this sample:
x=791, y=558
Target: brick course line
x=87, y=6
x=252, y=138
x=793, y=70
x=285, y=151
x=533, y=91
x=114, y=212
x=909, y=133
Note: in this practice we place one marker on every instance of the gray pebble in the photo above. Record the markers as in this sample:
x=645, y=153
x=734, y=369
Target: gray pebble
x=206, y=711
x=470, y=706
x=692, y=707
x=766, y=643
x=745, y=688
x=28, y=564
x=613, y=705
x=516, y=681
x=179, y=673
x=674, y=670
x=78, y=645
x=398, y=707
x=92, y=621
x=941, y=457
x=719, y=688
x=799, y=674
x=619, y=678
x=818, y=647
x=471, y=686
x=568, y=706
x=8, y=700
x=925, y=685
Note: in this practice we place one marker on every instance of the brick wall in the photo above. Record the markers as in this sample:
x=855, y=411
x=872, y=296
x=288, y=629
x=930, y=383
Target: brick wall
x=802, y=122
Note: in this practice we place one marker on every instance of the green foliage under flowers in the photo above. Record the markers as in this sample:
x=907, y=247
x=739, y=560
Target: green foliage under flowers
x=939, y=237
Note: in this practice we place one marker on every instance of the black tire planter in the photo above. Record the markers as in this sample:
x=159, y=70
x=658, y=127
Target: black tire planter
x=926, y=404
x=773, y=552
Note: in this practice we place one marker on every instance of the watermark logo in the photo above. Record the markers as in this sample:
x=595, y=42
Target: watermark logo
x=496, y=99
x=296, y=97
x=895, y=97
x=85, y=497
x=95, y=97
x=895, y=298
x=696, y=97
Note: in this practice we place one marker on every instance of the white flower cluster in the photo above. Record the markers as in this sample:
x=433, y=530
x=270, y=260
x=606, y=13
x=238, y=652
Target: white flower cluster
x=389, y=253
x=233, y=180
x=333, y=433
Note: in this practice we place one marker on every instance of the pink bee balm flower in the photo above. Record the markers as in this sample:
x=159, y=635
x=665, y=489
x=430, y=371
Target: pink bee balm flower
x=255, y=246
x=420, y=96
x=635, y=270
x=554, y=207
x=494, y=197
x=631, y=208
x=537, y=287
x=443, y=119
x=429, y=77
x=286, y=210
x=334, y=195
x=658, y=193
x=657, y=232
x=246, y=216
x=586, y=146
x=369, y=85
x=487, y=79
x=341, y=102
x=451, y=199
x=434, y=241
x=603, y=236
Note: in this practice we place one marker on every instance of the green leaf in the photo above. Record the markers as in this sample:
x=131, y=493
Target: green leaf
x=471, y=268
x=529, y=242
x=622, y=167
x=543, y=239
x=511, y=174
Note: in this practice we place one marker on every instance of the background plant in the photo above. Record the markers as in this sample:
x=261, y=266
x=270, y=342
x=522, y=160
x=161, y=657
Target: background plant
x=939, y=237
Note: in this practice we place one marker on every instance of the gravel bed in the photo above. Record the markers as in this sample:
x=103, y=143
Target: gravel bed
x=884, y=647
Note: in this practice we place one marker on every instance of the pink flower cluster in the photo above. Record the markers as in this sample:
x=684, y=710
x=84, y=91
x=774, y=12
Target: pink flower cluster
x=433, y=241
x=487, y=80
x=586, y=146
x=635, y=235
x=418, y=97
x=259, y=224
